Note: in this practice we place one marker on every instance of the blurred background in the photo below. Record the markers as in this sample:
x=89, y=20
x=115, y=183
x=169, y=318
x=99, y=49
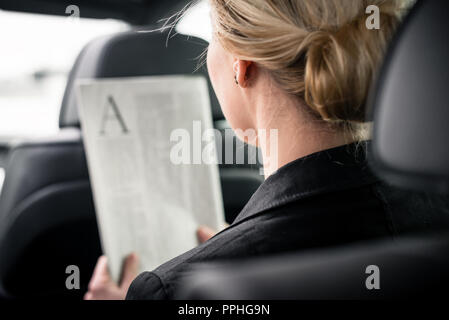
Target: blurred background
x=38, y=52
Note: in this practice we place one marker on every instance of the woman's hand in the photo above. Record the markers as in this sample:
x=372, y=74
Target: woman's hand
x=101, y=285
x=205, y=233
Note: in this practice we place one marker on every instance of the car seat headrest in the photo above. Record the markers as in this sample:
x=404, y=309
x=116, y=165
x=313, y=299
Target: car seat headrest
x=411, y=103
x=134, y=54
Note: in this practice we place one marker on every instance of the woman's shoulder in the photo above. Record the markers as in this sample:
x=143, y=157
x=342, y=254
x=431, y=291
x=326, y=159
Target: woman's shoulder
x=298, y=225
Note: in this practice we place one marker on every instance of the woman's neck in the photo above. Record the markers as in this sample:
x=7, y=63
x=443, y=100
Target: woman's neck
x=290, y=134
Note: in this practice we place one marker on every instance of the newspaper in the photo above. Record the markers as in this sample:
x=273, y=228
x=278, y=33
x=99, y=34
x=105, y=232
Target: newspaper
x=146, y=202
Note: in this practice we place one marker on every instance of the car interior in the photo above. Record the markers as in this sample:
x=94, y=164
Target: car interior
x=47, y=212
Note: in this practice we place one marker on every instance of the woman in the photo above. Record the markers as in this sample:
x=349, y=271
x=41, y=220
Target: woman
x=303, y=68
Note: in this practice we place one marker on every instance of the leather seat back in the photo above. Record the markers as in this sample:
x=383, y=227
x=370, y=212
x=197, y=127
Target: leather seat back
x=410, y=106
x=47, y=219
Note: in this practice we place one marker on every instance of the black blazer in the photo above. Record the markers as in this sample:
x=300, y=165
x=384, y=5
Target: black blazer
x=326, y=199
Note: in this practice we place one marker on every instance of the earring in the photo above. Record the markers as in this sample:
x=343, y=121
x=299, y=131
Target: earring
x=236, y=70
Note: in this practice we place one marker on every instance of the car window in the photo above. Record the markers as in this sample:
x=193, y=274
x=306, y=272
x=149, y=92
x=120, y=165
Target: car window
x=37, y=54
x=196, y=21
x=2, y=178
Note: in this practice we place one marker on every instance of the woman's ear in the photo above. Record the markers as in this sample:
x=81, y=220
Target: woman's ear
x=243, y=72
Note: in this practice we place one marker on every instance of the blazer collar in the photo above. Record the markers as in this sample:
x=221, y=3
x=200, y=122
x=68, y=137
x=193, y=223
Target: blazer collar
x=335, y=169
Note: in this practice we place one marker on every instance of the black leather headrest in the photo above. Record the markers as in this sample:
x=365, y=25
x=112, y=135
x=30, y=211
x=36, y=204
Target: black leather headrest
x=134, y=54
x=411, y=103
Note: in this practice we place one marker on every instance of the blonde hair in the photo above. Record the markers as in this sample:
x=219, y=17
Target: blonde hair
x=318, y=50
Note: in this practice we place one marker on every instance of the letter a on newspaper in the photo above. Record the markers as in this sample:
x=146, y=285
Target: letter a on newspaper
x=152, y=179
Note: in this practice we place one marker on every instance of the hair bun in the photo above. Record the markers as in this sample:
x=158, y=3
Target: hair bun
x=340, y=66
x=337, y=72
x=320, y=51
